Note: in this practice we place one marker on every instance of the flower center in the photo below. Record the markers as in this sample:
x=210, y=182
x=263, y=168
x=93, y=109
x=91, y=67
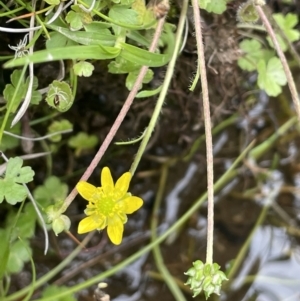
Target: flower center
x=106, y=206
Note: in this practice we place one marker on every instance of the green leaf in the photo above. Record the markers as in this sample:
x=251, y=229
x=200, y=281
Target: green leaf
x=57, y=126
x=52, y=2
x=12, y=191
x=53, y=190
x=36, y=96
x=83, y=68
x=25, y=226
x=60, y=96
x=77, y=18
x=213, y=6
x=101, y=37
x=122, y=66
x=143, y=57
x=253, y=53
x=271, y=76
x=58, y=40
x=140, y=39
x=9, y=142
x=123, y=14
x=72, y=53
x=10, y=89
x=139, y=6
x=203, y=3
x=82, y=141
x=18, y=256
x=52, y=290
x=287, y=24
x=127, y=2
x=132, y=76
x=17, y=173
x=98, y=26
x=148, y=93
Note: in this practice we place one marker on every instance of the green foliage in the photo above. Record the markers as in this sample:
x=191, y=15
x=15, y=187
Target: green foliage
x=213, y=6
x=77, y=18
x=10, y=90
x=50, y=195
x=60, y=96
x=25, y=225
x=19, y=254
x=124, y=14
x=57, y=126
x=82, y=141
x=287, y=24
x=271, y=76
x=53, y=290
x=15, y=250
x=52, y=2
x=11, y=187
x=9, y=142
x=253, y=53
x=83, y=68
x=132, y=76
x=53, y=190
x=118, y=32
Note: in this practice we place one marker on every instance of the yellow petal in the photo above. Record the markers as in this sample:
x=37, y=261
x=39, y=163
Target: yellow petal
x=86, y=190
x=132, y=204
x=91, y=223
x=123, y=217
x=115, y=230
x=122, y=184
x=86, y=225
x=107, y=182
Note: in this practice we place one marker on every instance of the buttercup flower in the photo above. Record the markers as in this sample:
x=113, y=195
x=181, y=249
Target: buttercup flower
x=108, y=205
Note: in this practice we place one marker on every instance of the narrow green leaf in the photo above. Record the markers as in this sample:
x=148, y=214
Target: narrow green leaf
x=143, y=57
x=87, y=38
x=148, y=93
x=124, y=14
x=72, y=53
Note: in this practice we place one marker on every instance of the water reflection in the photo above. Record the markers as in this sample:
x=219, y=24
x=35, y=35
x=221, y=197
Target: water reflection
x=279, y=266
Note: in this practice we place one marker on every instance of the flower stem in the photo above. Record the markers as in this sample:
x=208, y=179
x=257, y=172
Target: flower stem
x=208, y=135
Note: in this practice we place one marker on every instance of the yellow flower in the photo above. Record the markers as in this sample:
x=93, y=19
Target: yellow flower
x=108, y=205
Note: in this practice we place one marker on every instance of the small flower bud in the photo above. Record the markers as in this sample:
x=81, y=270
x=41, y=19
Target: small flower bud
x=61, y=224
x=247, y=13
x=205, y=277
